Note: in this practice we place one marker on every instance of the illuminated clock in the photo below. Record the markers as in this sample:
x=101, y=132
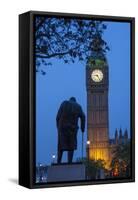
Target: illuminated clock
x=97, y=75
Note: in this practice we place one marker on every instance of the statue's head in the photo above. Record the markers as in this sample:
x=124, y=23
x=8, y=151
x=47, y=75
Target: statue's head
x=73, y=99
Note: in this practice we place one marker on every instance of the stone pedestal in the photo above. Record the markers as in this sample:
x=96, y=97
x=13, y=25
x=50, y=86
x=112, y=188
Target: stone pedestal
x=66, y=172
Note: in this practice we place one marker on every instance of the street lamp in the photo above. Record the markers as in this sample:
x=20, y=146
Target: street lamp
x=40, y=172
x=87, y=148
x=53, y=158
x=88, y=145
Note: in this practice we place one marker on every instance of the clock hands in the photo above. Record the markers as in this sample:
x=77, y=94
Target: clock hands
x=98, y=77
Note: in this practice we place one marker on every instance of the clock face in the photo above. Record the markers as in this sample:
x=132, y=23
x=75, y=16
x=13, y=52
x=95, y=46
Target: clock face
x=97, y=75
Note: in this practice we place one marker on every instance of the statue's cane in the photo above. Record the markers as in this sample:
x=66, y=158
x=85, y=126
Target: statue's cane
x=82, y=145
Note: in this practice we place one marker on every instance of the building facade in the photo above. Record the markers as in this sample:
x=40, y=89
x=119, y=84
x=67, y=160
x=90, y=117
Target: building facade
x=97, y=85
x=100, y=145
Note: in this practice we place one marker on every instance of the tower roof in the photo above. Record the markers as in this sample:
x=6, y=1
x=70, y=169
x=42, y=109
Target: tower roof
x=120, y=133
x=126, y=134
x=97, y=57
x=95, y=61
x=116, y=133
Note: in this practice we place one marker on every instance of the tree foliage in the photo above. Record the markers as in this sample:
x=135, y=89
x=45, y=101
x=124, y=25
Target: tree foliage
x=121, y=159
x=67, y=39
x=92, y=166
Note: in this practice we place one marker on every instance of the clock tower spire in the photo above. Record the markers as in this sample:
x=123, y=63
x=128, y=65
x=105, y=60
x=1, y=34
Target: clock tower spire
x=97, y=84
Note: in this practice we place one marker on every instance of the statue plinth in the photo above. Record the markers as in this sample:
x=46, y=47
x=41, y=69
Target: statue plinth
x=66, y=172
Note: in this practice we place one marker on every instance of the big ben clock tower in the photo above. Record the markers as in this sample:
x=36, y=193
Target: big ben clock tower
x=97, y=84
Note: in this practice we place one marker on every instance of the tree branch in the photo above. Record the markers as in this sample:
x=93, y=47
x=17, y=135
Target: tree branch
x=52, y=55
x=40, y=23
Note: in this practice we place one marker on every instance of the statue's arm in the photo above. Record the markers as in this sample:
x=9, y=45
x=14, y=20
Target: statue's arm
x=59, y=113
x=82, y=118
x=58, y=116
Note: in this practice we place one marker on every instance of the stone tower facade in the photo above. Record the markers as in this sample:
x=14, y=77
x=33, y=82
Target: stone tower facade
x=97, y=85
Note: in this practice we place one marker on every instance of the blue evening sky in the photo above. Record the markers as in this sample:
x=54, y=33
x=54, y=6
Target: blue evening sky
x=65, y=80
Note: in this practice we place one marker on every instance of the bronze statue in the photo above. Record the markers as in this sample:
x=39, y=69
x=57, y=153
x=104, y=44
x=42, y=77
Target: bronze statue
x=67, y=125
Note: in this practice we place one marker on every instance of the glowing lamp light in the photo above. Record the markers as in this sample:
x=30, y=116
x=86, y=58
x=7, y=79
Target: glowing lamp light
x=53, y=156
x=88, y=142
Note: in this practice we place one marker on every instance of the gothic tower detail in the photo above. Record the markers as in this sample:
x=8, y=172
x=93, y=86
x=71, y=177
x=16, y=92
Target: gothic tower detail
x=97, y=85
x=116, y=136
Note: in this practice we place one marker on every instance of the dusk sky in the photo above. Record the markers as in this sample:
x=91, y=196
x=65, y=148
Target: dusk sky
x=65, y=80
